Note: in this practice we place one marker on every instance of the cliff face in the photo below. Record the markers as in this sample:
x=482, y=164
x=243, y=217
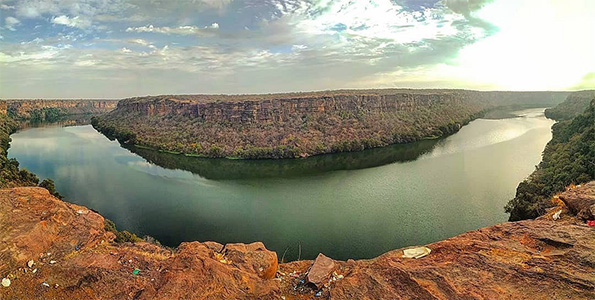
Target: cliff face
x=282, y=107
x=50, y=249
x=22, y=109
x=301, y=124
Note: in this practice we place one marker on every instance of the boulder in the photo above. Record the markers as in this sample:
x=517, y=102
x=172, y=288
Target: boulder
x=320, y=271
x=580, y=200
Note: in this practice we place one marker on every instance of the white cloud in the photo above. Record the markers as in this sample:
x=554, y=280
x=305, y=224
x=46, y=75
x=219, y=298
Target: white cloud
x=86, y=63
x=77, y=21
x=182, y=30
x=44, y=54
x=11, y=22
x=139, y=42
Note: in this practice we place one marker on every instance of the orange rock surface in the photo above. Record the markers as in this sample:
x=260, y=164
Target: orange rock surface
x=75, y=258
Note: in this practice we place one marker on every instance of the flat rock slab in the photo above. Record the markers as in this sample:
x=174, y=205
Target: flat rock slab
x=320, y=271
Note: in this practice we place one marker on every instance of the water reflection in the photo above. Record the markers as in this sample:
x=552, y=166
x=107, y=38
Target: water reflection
x=229, y=169
x=63, y=121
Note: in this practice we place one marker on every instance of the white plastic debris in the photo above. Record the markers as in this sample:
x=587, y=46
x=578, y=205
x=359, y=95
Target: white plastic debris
x=5, y=282
x=417, y=252
x=556, y=216
x=30, y=263
x=52, y=262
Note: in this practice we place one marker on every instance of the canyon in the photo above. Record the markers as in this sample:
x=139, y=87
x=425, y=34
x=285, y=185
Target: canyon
x=50, y=248
x=301, y=124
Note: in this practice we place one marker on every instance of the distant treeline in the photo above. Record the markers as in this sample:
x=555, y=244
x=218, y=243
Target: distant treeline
x=41, y=115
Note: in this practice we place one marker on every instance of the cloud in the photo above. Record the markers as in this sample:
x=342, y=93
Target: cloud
x=10, y=23
x=182, y=30
x=43, y=54
x=467, y=8
x=77, y=21
x=279, y=45
x=141, y=42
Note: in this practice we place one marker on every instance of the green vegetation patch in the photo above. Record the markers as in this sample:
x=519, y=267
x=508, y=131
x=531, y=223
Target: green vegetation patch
x=11, y=174
x=121, y=236
x=569, y=158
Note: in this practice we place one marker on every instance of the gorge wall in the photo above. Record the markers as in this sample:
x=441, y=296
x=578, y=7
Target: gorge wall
x=281, y=107
x=301, y=124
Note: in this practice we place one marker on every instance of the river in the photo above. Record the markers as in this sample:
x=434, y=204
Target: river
x=349, y=205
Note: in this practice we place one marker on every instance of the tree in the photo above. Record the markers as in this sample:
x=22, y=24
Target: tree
x=49, y=185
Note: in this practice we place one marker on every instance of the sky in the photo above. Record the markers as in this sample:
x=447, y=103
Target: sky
x=118, y=48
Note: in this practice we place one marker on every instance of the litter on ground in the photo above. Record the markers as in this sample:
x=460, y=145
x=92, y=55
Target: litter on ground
x=417, y=252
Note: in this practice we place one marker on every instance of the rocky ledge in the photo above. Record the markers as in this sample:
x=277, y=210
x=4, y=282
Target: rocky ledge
x=50, y=249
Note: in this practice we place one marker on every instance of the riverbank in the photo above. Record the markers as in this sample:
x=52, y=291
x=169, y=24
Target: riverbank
x=54, y=249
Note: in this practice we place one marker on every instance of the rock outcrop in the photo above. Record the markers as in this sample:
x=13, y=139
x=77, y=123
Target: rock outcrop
x=301, y=124
x=50, y=249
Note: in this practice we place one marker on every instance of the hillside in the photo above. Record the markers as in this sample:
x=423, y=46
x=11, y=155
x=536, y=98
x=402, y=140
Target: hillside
x=301, y=124
x=10, y=173
x=569, y=158
x=574, y=105
x=52, y=110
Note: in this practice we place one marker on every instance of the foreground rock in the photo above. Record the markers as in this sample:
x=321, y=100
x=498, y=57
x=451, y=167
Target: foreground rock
x=75, y=258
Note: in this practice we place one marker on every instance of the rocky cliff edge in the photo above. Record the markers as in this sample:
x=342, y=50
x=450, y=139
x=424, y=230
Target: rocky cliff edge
x=50, y=249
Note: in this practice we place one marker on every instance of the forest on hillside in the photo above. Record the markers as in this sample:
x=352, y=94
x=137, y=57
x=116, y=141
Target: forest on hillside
x=569, y=158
